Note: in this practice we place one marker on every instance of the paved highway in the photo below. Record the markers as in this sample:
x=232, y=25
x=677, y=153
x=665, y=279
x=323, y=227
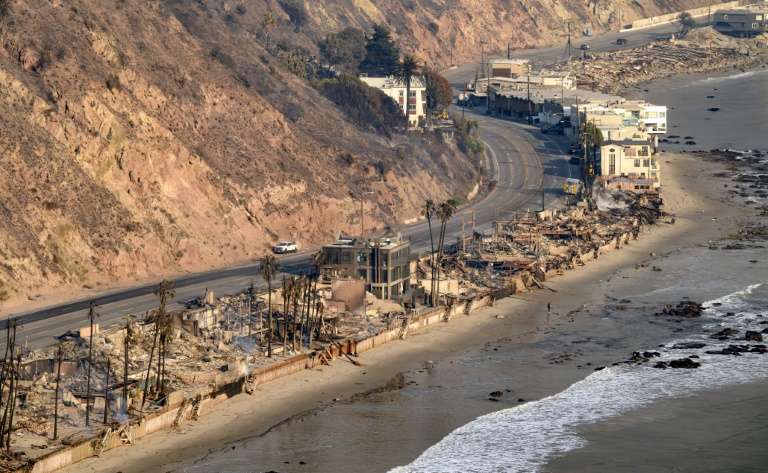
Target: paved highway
x=522, y=160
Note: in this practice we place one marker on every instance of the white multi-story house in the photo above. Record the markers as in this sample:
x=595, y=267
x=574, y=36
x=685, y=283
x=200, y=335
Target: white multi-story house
x=627, y=115
x=415, y=107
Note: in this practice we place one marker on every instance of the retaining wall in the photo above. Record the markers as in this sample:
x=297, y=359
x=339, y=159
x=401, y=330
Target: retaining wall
x=669, y=17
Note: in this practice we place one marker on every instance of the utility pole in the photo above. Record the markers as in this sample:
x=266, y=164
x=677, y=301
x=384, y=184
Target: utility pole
x=508, y=51
x=568, y=44
x=530, y=118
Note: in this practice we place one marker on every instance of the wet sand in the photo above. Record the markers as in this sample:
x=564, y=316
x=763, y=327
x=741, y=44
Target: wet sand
x=690, y=193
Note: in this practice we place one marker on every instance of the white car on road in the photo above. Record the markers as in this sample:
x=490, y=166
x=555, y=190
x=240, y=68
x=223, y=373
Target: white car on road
x=286, y=247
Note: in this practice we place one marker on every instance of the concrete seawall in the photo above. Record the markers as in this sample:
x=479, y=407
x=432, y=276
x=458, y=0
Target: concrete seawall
x=669, y=17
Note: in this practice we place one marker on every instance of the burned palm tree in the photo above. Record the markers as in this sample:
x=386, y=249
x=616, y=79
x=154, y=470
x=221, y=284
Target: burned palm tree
x=130, y=338
x=59, y=358
x=427, y=212
x=269, y=267
x=163, y=292
x=91, y=316
x=445, y=212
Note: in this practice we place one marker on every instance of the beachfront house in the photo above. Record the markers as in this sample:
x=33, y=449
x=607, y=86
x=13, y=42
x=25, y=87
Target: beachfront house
x=617, y=118
x=631, y=159
x=416, y=106
x=743, y=23
x=383, y=262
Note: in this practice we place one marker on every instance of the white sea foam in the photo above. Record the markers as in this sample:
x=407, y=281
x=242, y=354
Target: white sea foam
x=525, y=438
x=714, y=80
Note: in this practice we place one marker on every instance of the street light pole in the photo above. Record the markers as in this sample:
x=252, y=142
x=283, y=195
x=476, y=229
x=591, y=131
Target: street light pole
x=530, y=118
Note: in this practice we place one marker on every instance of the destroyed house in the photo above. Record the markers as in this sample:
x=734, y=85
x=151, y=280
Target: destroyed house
x=742, y=23
x=383, y=262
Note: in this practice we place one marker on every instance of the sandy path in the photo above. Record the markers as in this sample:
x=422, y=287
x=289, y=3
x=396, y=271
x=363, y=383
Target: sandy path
x=698, y=203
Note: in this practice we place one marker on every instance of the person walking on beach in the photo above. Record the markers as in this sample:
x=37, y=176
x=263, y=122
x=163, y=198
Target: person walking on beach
x=549, y=309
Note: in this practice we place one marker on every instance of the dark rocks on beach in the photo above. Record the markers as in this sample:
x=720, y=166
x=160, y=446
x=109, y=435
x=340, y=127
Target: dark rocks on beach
x=684, y=363
x=661, y=365
x=497, y=394
x=600, y=368
x=724, y=334
x=737, y=350
x=651, y=354
x=688, y=345
x=730, y=314
x=521, y=400
x=684, y=309
x=493, y=399
x=710, y=96
x=753, y=336
x=713, y=109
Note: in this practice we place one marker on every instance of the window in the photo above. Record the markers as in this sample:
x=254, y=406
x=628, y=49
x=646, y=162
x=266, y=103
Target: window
x=754, y=25
x=412, y=107
x=637, y=163
x=345, y=257
x=402, y=94
x=725, y=17
x=759, y=18
x=611, y=164
x=362, y=257
x=662, y=114
x=413, y=94
x=646, y=163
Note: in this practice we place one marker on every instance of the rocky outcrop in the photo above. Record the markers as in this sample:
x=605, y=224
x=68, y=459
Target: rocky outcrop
x=683, y=309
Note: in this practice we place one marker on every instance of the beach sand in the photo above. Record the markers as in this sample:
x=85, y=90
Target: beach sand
x=702, y=213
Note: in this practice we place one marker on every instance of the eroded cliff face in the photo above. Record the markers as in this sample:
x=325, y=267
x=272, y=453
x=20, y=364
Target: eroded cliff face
x=433, y=29
x=143, y=138
x=132, y=149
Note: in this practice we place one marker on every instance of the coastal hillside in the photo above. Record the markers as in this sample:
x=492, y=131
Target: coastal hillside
x=137, y=143
x=148, y=138
x=437, y=30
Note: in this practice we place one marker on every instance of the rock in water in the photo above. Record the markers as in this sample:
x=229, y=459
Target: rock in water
x=684, y=309
x=684, y=363
x=753, y=336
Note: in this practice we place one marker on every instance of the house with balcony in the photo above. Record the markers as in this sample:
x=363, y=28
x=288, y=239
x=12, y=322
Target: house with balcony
x=742, y=23
x=618, y=119
x=382, y=262
x=631, y=159
x=416, y=105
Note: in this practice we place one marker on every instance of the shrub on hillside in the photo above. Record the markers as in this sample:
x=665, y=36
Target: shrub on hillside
x=363, y=105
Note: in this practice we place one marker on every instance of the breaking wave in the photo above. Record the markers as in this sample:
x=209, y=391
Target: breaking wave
x=526, y=437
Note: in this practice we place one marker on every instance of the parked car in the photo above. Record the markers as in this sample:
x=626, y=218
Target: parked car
x=285, y=247
x=574, y=160
x=575, y=148
x=621, y=41
x=585, y=46
x=553, y=130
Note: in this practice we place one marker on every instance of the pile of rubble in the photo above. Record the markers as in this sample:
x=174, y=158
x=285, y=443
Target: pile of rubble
x=530, y=247
x=704, y=50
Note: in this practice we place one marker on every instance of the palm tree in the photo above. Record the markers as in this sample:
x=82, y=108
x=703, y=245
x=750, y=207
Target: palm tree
x=445, y=212
x=318, y=259
x=130, y=335
x=427, y=211
x=163, y=292
x=59, y=356
x=269, y=267
x=268, y=24
x=407, y=68
x=91, y=315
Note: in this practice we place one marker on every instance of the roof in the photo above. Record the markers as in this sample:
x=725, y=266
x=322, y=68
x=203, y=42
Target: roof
x=520, y=62
x=629, y=179
x=625, y=143
x=392, y=83
x=740, y=11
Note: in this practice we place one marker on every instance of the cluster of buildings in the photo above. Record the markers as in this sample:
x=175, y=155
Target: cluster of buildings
x=630, y=128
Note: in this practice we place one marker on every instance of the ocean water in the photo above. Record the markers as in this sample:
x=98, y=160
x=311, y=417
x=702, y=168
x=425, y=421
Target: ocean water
x=722, y=111
x=527, y=437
